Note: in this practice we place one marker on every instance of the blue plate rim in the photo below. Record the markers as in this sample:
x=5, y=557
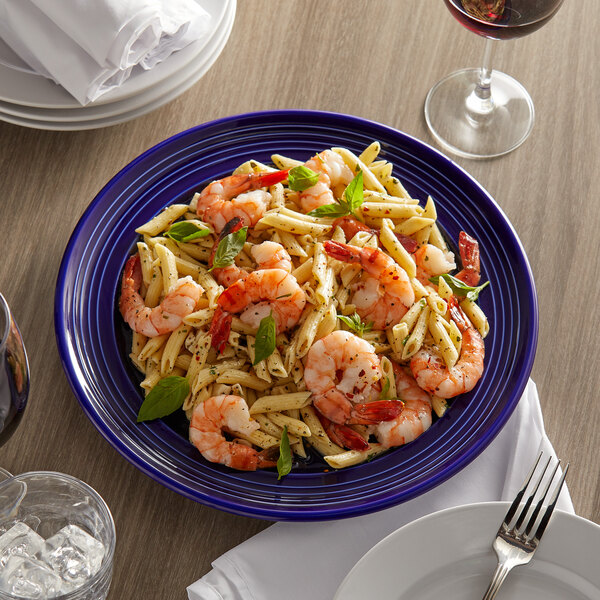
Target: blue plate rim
x=322, y=513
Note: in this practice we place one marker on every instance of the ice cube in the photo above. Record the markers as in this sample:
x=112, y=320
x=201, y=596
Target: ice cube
x=29, y=578
x=73, y=554
x=19, y=540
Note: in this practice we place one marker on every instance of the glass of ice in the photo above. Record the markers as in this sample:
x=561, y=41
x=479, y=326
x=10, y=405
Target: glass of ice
x=57, y=538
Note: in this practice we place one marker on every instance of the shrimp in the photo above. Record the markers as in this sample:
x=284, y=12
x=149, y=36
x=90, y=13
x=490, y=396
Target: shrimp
x=261, y=293
x=432, y=261
x=335, y=175
x=415, y=417
x=351, y=226
x=230, y=413
x=268, y=255
x=469, y=256
x=168, y=315
x=342, y=435
x=342, y=372
x=271, y=255
x=224, y=199
x=431, y=372
x=385, y=294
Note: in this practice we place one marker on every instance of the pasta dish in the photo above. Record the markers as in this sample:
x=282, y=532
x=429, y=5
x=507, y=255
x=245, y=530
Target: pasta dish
x=303, y=306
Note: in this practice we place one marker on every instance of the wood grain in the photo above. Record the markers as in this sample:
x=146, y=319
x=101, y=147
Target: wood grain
x=375, y=59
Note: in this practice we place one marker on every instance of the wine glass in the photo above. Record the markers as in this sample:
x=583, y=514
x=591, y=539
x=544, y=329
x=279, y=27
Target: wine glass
x=14, y=373
x=480, y=113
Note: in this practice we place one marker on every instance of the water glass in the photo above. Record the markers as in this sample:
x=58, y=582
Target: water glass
x=57, y=538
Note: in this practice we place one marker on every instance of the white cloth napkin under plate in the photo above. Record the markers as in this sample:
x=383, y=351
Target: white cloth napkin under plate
x=90, y=46
x=296, y=561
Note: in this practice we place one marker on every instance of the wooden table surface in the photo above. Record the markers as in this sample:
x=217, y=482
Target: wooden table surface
x=371, y=58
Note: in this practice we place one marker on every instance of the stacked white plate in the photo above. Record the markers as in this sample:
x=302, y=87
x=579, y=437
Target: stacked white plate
x=31, y=100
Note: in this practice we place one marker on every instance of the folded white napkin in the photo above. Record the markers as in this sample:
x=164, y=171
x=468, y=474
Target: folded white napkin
x=296, y=561
x=90, y=46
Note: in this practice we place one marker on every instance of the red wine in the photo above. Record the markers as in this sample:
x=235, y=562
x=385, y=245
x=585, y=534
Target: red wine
x=503, y=19
x=14, y=374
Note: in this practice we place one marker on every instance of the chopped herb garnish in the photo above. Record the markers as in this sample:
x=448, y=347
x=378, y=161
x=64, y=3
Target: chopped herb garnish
x=458, y=287
x=355, y=324
x=348, y=205
x=385, y=389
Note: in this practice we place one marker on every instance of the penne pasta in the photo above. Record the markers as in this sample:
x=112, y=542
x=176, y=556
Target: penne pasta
x=370, y=181
x=294, y=426
x=395, y=249
x=168, y=267
x=318, y=439
x=476, y=316
x=213, y=342
x=442, y=339
x=416, y=337
x=280, y=402
x=172, y=348
x=350, y=458
x=163, y=220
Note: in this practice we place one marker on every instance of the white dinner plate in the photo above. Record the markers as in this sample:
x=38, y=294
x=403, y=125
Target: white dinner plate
x=449, y=555
x=19, y=86
x=125, y=110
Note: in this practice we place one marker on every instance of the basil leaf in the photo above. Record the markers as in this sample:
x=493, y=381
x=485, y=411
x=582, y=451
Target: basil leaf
x=355, y=323
x=458, y=287
x=164, y=398
x=265, y=339
x=229, y=247
x=329, y=210
x=301, y=178
x=473, y=295
x=354, y=192
x=184, y=231
x=284, y=462
x=197, y=234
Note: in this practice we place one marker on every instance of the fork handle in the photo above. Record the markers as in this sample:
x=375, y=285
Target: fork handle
x=498, y=578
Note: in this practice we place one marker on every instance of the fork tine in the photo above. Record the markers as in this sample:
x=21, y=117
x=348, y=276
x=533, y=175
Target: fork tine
x=538, y=508
x=550, y=509
x=529, y=501
x=515, y=504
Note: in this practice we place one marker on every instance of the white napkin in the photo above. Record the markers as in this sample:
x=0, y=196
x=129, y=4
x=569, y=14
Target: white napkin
x=90, y=46
x=296, y=561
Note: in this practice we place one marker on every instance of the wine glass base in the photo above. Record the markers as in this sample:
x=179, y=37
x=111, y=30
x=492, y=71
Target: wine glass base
x=473, y=134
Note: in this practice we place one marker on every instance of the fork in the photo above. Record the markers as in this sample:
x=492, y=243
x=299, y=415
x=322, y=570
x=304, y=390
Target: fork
x=516, y=544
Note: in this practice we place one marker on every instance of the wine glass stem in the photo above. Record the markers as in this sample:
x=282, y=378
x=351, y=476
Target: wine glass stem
x=480, y=103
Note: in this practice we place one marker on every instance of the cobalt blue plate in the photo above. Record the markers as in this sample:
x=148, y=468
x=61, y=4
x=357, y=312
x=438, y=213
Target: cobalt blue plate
x=93, y=347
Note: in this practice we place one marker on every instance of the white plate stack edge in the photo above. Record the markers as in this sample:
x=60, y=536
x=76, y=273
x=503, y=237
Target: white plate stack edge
x=31, y=100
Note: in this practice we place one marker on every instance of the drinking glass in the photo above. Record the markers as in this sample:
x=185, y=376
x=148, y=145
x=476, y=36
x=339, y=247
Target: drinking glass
x=57, y=538
x=14, y=373
x=481, y=113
